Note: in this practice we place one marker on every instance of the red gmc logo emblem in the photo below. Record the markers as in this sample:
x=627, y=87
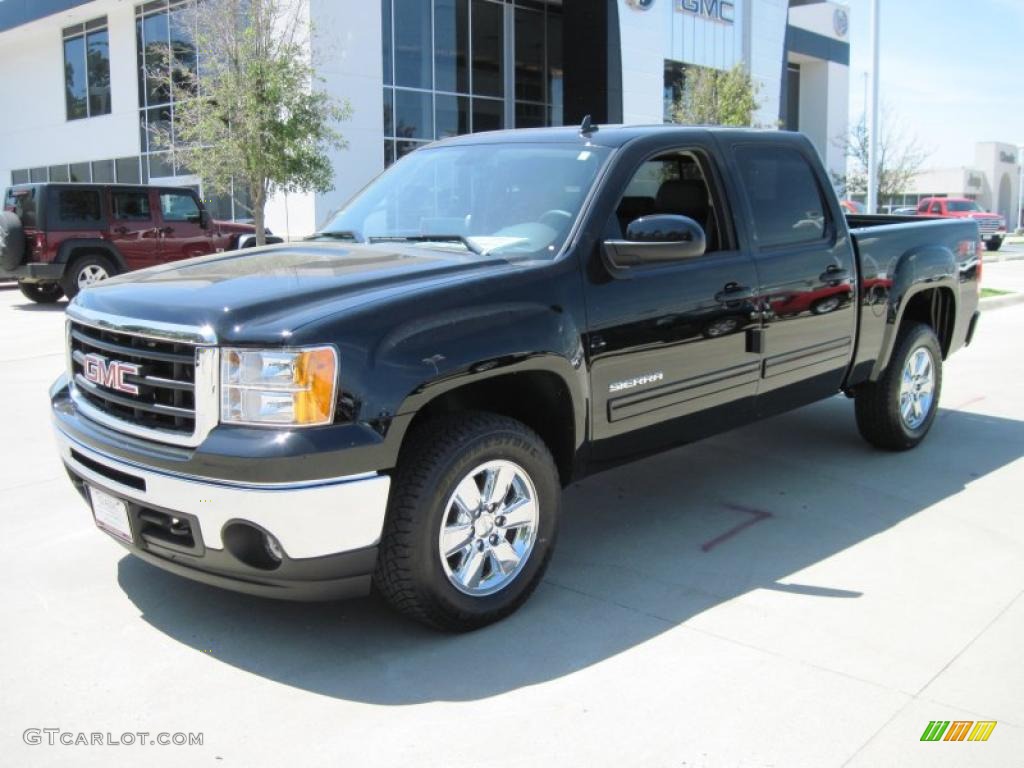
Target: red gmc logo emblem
x=110, y=374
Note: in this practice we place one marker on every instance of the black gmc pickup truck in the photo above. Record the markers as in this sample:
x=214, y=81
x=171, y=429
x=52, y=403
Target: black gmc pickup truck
x=398, y=400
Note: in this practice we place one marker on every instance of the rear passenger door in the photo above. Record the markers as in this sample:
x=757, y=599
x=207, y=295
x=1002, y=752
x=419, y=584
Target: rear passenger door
x=806, y=269
x=668, y=355
x=133, y=227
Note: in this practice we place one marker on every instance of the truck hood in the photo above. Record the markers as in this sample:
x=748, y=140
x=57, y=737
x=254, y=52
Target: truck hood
x=265, y=293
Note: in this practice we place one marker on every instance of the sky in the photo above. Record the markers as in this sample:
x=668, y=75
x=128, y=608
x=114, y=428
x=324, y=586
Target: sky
x=952, y=72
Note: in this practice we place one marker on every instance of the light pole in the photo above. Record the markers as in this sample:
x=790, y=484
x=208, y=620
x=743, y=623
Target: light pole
x=872, y=200
x=1020, y=189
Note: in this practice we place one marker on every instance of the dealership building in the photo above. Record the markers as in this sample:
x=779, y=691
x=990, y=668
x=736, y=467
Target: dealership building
x=79, y=100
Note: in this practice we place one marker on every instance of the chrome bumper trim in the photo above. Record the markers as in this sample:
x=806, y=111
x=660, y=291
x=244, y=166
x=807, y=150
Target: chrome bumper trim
x=310, y=520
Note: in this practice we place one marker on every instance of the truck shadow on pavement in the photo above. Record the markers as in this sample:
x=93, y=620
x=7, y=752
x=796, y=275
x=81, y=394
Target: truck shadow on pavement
x=642, y=549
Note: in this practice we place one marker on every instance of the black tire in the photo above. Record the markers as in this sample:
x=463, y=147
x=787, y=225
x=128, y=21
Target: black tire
x=41, y=293
x=12, y=241
x=69, y=282
x=993, y=244
x=441, y=453
x=826, y=305
x=877, y=404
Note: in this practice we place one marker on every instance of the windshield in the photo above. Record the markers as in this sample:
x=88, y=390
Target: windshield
x=962, y=206
x=514, y=199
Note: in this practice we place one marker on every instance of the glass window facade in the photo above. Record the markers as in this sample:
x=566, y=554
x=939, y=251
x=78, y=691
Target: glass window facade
x=87, y=69
x=458, y=66
x=163, y=33
x=124, y=170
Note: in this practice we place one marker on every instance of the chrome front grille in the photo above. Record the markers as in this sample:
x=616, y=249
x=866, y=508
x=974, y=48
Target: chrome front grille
x=166, y=384
x=165, y=380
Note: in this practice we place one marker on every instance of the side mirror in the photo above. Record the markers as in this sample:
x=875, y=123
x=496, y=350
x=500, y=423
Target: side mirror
x=657, y=239
x=204, y=218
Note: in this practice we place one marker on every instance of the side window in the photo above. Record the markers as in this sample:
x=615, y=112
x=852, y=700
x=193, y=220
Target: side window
x=784, y=196
x=179, y=206
x=78, y=206
x=131, y=206
x=24, y=204
x=670, y=183
x=936, y=207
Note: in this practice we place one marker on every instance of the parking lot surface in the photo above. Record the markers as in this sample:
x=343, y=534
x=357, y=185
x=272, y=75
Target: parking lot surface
x=782, y=595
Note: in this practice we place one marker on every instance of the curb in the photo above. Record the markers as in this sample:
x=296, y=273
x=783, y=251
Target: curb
x=998, y=302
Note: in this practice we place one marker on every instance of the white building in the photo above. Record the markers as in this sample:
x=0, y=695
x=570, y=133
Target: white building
x=77, y=102
x=993, y=181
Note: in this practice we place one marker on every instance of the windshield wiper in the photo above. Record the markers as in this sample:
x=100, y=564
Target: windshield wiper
x=345, y=234
x=427, y=239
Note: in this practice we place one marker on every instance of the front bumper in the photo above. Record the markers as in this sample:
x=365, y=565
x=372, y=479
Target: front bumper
x=211, y=530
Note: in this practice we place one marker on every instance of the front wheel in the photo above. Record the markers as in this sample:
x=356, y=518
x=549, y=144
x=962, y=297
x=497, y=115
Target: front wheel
x=993, y=243
x=41, y=293
x=896, y=412
x=471, y=521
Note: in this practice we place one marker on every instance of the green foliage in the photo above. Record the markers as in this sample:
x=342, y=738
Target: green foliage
x=716, y=97
x=252, y=112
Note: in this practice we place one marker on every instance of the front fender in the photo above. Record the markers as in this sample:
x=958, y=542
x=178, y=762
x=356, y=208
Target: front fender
x=439, y=352
x=919, y=269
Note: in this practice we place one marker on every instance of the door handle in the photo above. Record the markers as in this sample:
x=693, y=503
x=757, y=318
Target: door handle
x=166, y=230
x=121, y=230
x=834, y=275
x=734, y=292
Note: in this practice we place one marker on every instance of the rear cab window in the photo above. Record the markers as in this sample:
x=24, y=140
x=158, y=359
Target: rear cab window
x=785, y=200
x=72, y=208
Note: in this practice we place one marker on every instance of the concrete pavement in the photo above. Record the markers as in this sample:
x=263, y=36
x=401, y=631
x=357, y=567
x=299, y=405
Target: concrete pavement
x=782, y=595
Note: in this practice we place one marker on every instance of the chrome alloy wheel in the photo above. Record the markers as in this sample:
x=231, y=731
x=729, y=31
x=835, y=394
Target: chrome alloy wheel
x=90, y=275
x=488, y=528
x=917, y=388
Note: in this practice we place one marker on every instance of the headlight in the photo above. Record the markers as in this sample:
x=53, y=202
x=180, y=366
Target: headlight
x=293, y=387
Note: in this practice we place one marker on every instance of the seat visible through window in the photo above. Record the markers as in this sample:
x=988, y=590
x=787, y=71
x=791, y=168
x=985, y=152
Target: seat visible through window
x=673, y=184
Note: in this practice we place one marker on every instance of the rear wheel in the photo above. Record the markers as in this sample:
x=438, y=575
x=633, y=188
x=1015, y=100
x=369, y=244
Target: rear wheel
x=85, y=271
x=471, y=521
x=41, y=293
x=896, y=412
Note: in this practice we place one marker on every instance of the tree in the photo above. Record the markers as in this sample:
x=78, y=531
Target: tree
x=716, y=97
x=900, y=157
x=249, y=111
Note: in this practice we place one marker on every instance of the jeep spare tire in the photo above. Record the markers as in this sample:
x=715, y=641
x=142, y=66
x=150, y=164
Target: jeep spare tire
x=12, y=241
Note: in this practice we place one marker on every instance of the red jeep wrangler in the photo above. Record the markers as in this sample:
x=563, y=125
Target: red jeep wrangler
x=56, y=239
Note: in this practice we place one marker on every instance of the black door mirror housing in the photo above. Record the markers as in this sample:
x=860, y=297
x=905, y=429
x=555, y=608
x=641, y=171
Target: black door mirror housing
x=204, y=218
x=657, y=239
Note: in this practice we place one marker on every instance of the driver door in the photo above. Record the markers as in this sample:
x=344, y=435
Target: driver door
x=182, y=235
x=669, y=361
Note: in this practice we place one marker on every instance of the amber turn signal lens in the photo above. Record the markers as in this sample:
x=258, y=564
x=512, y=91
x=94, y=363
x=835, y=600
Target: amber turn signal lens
x=315, y=374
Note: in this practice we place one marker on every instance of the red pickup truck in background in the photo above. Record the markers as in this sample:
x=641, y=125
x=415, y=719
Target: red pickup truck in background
x=991, y=225
x=56, y=239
